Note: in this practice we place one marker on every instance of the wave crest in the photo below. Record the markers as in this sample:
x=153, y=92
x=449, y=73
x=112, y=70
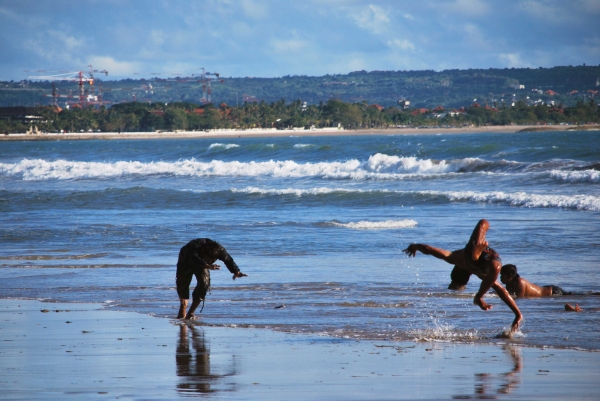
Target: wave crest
x=377, y=225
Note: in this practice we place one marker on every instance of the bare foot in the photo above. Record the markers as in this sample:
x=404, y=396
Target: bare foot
x=570, y=308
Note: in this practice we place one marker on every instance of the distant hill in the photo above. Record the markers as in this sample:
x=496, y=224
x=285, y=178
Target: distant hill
x=449, y=88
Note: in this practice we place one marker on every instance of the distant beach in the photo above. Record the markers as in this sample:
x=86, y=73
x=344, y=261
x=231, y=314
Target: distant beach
x=258, y=133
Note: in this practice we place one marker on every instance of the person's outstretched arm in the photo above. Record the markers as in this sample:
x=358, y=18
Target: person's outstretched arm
x=425, y=249
x=508, y=300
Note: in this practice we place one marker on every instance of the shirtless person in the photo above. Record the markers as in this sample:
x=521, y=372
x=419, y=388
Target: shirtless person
x=517, y=285
x=196, y=258
x=479, y=259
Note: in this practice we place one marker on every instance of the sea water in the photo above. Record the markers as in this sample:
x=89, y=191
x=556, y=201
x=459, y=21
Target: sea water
x=317, y=223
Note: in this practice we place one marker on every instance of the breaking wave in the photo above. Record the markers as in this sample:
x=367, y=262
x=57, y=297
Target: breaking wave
x=223, y=145
x=523, y=199
x=377, y=225
x=378, y=166
x=576, y=176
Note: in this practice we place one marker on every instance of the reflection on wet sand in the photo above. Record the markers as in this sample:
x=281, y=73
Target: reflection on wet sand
x=485, y=382
x=193, y=364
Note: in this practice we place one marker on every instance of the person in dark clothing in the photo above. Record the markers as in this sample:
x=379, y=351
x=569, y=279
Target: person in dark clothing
x=197, y=258
x=518, y=286
x=476, y=258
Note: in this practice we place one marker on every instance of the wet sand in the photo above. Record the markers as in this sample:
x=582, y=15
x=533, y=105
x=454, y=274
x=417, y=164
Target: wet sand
x=258, y=133
x=53, y=351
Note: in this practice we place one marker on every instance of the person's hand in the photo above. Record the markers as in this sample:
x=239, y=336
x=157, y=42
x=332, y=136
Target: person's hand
x=215, y=267
x=481, y=303
x=411, y=250
x=239, y=274
x=516, y=323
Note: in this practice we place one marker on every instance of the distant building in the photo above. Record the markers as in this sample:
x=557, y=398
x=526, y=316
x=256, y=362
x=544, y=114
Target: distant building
x=23, y=114
x=416, y=112
x=404, y=104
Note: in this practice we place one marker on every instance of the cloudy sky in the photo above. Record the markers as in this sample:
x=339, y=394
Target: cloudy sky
x=273, y=38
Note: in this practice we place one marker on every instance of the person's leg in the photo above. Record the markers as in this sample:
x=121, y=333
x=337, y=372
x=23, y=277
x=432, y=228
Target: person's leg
x=182, y=283
x=200, y=291
x=477, y=242
x=195, y=304
x=182, y=307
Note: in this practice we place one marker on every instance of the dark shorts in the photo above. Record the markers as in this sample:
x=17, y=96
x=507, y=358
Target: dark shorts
x=459, y=276
x=184, y=279
x=556, y=290
x=487, y=255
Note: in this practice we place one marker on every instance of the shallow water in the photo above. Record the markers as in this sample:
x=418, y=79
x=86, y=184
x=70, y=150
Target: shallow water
x=318, y=223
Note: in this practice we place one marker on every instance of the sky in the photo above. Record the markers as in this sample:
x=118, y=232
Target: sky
x=276, y=38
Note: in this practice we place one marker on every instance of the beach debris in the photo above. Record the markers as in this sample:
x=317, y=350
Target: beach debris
x=44, y=311
x=281, y=306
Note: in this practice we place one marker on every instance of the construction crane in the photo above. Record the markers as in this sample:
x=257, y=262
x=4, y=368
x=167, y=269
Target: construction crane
x=85, y=99
x=205, y=79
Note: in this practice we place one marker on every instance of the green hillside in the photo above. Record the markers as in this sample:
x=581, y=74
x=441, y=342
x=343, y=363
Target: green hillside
x=426, y=89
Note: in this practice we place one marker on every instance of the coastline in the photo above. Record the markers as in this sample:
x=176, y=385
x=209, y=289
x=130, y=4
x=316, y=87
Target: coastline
x=262, y=133
x=69, y=351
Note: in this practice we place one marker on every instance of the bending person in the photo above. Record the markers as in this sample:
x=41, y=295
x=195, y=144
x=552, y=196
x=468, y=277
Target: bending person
x=479, y=259
x=196, y=258
x=517, y=285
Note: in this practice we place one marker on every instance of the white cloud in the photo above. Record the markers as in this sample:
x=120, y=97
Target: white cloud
x=372, y=18
x=545, y=11
x=471, y=7
x=475, y=37
x=512, y=60
x=67, y=41
x=287, y=46
x=157, y=38
x=254, y=9
x=114, y=67
x=402, y=44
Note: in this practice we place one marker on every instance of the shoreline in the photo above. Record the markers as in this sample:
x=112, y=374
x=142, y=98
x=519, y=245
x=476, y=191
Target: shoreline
x=258, y=133
x=69, y=351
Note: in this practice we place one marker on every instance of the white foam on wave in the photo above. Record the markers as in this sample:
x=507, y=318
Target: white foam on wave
x=378, y=166
x=223, y=145
x=578, y=202
x=377, y=225
x=303, y=145
x=296, y=191
x=576, y=176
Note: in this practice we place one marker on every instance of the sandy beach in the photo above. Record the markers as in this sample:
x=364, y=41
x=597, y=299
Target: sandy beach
x=56, y=351
x=258, y=133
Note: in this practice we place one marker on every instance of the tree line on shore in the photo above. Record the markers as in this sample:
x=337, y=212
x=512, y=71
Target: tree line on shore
x=148, y=117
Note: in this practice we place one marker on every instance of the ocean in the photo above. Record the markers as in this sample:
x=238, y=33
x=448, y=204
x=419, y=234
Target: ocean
x=317, y=223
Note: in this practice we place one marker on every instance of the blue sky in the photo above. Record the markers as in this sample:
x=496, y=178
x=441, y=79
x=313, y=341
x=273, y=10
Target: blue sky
x=273, y=38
